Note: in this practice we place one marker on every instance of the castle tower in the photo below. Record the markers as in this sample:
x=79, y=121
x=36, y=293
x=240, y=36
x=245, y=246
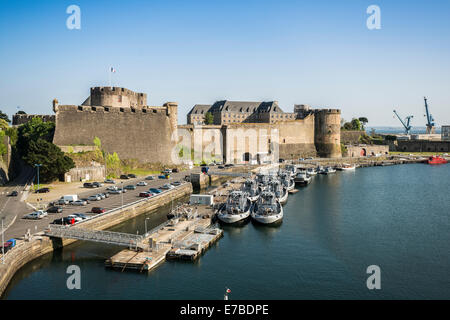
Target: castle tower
x=172, y=112
x=117, y=97
x=55, y=104
x=327, y=132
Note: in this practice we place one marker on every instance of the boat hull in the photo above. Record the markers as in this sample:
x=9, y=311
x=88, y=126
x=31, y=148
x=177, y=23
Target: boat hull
x=232, y=218
x=268, y=219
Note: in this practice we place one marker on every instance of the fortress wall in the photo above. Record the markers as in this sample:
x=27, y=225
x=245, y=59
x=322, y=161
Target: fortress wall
x=422, y=146
x=19, y=119
x=351, y=137
x=295, y=138
x=327, y=136
x=144, y=134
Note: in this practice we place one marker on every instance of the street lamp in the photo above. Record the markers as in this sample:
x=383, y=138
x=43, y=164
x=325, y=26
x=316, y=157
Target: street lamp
x=146, y=225
x=122, y=194
x=38, y=165
x=3, y=243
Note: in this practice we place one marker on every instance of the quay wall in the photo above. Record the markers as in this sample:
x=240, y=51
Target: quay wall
x=420, y=146
x=26, y=251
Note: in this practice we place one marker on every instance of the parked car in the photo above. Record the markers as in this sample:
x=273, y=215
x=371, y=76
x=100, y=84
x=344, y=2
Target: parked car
x=110, y=181
x=154, y=190
x=150, y=178
x=132, y=176
x=229, y=165
x=88, y=185
x=86, y=199
x=116, y=191
x=79, y=203
x=8, y=245
x=130, y=187
x=77, y=218
x=141, y=183
x=55, y=209
x=106, y=194
x=94, y=198
x=13, y=194
x=176, y=183
x=175, y=170
x=101, y=195
x=36, y=215
x=64, y=221
x=124, y=176
x=98, y=210
x=145, y=194
x=62, y=202
x=97, y=184
x=167, y=186
x=43, y=190
x=221, y=167
x=82, y=216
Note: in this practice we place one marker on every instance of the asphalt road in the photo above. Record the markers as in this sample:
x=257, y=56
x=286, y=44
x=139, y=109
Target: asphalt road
x=21, y=225
x=11, y=207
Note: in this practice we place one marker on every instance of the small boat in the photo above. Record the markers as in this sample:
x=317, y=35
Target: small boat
x=281, y=192
x=436, y=160
x=302, y=178
x=329, y=170
x=347, y=167
x=287, y=180
x=237, y=207
x=311, y=171
x=267, y=209
x=250, y=187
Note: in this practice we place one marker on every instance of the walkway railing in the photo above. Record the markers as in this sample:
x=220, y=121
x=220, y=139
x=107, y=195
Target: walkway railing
x=108, y=237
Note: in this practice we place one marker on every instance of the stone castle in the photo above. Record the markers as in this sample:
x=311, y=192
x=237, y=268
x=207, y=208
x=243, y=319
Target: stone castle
x=125, y=124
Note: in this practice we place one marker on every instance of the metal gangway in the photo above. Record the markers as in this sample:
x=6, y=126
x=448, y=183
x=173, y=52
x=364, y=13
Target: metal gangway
x=230, y=174
x=108, y=237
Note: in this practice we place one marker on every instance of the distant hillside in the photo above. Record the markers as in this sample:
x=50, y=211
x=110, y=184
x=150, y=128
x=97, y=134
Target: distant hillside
x=414, y=130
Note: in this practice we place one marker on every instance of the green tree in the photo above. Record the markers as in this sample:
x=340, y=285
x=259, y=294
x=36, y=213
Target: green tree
x=54, y=162
x=32, y=131
x=4, y=116
x=209, y=118
x=363, y=121
x=356, y=124
x=21, y=112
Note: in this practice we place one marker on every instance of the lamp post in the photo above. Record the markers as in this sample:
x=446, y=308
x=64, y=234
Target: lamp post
x=146, y=225
x=38, y=165
x=3, y=243
x=122, y=194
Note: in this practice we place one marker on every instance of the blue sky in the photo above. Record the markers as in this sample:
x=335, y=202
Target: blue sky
x=315, y=52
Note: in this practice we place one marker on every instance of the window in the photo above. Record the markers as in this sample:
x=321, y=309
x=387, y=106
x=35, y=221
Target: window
x=106, y=109
x=121, y=110
x=80, y=108
x=119, y=98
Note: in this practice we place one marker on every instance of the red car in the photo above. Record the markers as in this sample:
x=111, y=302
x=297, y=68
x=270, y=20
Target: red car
x=145, y=194
x=98, y=210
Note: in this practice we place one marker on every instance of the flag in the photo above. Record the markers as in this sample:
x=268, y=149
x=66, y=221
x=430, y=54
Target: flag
x=113, y=70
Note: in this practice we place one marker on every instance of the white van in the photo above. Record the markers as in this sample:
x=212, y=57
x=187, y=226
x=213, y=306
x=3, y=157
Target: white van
x=68, y=198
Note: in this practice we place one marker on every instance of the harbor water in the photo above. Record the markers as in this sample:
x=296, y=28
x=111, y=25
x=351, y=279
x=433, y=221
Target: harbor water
x=395, y=217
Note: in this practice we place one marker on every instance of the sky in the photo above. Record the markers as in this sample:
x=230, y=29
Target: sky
x=318, y=52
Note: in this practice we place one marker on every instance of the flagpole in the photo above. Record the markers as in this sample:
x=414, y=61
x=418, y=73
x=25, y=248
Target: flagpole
x=110, y=85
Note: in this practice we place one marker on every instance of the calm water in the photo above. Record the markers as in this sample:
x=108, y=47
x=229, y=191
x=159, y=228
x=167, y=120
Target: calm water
x=395, y=217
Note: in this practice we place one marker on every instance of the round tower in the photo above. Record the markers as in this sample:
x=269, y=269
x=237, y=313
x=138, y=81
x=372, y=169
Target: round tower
x=327, y=133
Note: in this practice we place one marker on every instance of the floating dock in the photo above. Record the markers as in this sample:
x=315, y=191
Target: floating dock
x=179, y=238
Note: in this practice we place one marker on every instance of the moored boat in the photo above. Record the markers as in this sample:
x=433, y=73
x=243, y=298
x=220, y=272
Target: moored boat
x=237, y=207
x=347, y=167
x=436, y=160
x=250, y=187
x=267, y=209
x=302, y=178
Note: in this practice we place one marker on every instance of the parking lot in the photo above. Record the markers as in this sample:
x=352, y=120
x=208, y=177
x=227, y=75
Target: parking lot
x=21, y=225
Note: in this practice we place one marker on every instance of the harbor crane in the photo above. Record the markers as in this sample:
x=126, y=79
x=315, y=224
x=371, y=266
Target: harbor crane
x=430, y=119
x=405, y=122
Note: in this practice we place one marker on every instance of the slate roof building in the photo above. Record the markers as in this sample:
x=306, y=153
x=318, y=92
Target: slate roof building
x=227, y=112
